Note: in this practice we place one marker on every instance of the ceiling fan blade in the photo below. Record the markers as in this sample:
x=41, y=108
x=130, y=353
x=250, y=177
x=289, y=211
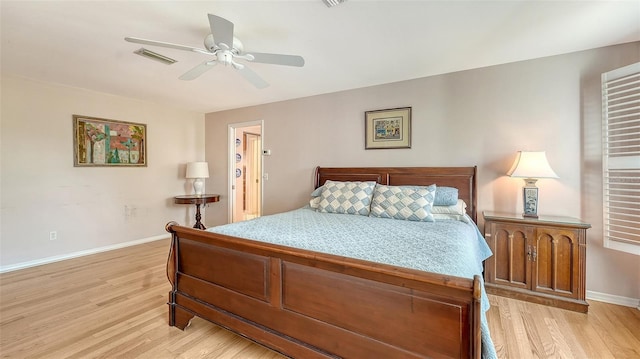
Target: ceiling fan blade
x=277, y=59
x=253, y=77
x=198, y=70
x=165, y=44
x=222, y=30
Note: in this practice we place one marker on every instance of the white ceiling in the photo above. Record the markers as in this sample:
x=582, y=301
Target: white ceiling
x=356, y=44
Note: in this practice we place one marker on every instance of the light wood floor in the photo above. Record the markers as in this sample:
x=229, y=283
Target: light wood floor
x=113, y=305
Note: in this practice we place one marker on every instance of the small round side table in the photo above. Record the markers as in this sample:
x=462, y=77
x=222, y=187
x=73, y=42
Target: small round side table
x=197, y=200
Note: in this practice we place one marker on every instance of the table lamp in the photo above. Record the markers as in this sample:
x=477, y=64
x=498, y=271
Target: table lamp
x=198, y=171
x=531, y=166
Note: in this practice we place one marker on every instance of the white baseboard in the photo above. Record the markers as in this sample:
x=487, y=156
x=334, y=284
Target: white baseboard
x=614, y=299
x=37, y=262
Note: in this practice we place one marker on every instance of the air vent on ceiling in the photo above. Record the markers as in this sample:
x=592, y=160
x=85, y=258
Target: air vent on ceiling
x=332, y=3
x=155, y=56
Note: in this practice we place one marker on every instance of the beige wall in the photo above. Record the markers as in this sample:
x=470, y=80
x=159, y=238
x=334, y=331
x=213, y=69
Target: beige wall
x=88, y=207
x=478, y=117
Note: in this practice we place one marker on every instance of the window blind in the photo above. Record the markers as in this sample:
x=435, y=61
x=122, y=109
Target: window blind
x=621, y=158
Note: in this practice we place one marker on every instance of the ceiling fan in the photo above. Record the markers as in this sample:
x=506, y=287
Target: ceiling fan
x=226, y=49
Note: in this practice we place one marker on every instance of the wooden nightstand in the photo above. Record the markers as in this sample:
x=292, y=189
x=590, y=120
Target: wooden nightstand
x=541, y=260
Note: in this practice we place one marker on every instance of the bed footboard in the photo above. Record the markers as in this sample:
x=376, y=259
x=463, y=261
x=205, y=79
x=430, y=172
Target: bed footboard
x=306, y=304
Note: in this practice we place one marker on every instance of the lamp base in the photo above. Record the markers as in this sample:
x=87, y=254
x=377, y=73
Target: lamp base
x=198, y=185
x=530, y=198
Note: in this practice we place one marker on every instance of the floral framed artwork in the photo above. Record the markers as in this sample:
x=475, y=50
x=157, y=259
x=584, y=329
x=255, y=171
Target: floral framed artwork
x=109, y=143
x=388, y=128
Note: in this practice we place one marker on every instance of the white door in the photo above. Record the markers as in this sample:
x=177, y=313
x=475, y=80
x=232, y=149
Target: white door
x=245, y=170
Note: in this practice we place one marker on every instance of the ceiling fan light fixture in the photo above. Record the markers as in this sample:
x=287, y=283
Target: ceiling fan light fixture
x=225, y=57
x=332, y=3
x=155, y=56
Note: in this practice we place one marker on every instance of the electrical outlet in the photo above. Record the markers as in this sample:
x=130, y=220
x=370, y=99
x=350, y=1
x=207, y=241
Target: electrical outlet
x=53, y=235
x=130, y=211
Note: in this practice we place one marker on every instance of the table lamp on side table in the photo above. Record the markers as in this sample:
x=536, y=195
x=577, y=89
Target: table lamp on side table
x=531, y=166
x=198, y=171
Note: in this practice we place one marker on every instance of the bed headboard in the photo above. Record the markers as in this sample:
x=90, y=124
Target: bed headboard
x=462, y=178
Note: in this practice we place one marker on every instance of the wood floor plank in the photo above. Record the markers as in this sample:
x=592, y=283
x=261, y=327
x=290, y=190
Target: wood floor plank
x=517, y=340
x=624, y=345
x=540, y=340
x=498, y=334
x=113, y=305
x=560, y=340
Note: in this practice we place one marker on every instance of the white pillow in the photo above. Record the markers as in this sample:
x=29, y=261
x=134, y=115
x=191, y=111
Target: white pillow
x=459, y=209
x=451, y=213
x=451, y=217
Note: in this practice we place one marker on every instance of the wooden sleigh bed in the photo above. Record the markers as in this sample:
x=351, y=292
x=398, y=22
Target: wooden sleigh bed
x=306, y=304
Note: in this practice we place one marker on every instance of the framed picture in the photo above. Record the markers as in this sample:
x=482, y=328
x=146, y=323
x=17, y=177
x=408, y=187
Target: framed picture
x=387, y=128
x=102, y=142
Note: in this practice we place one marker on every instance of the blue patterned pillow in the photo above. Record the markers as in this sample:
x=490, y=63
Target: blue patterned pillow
x=316, y=192
x=411, y=203
x=446, y=196
x=346, y=197
x=314, y=202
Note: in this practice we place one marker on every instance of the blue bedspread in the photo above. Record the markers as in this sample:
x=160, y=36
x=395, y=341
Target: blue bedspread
x=446, y=247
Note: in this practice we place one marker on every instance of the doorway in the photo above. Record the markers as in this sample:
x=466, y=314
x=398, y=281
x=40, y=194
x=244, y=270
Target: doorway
x=245, y=171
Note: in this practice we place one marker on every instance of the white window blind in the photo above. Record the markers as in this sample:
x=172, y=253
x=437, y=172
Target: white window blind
x=621, y=158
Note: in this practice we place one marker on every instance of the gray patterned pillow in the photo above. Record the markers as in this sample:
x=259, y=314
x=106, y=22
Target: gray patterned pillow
x=412, y=203
x=346, y=197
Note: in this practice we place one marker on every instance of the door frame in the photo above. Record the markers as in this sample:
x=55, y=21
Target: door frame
x=231, y=164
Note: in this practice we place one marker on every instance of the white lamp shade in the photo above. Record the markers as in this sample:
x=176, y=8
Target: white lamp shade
x=532, y=165
x=197, y=170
